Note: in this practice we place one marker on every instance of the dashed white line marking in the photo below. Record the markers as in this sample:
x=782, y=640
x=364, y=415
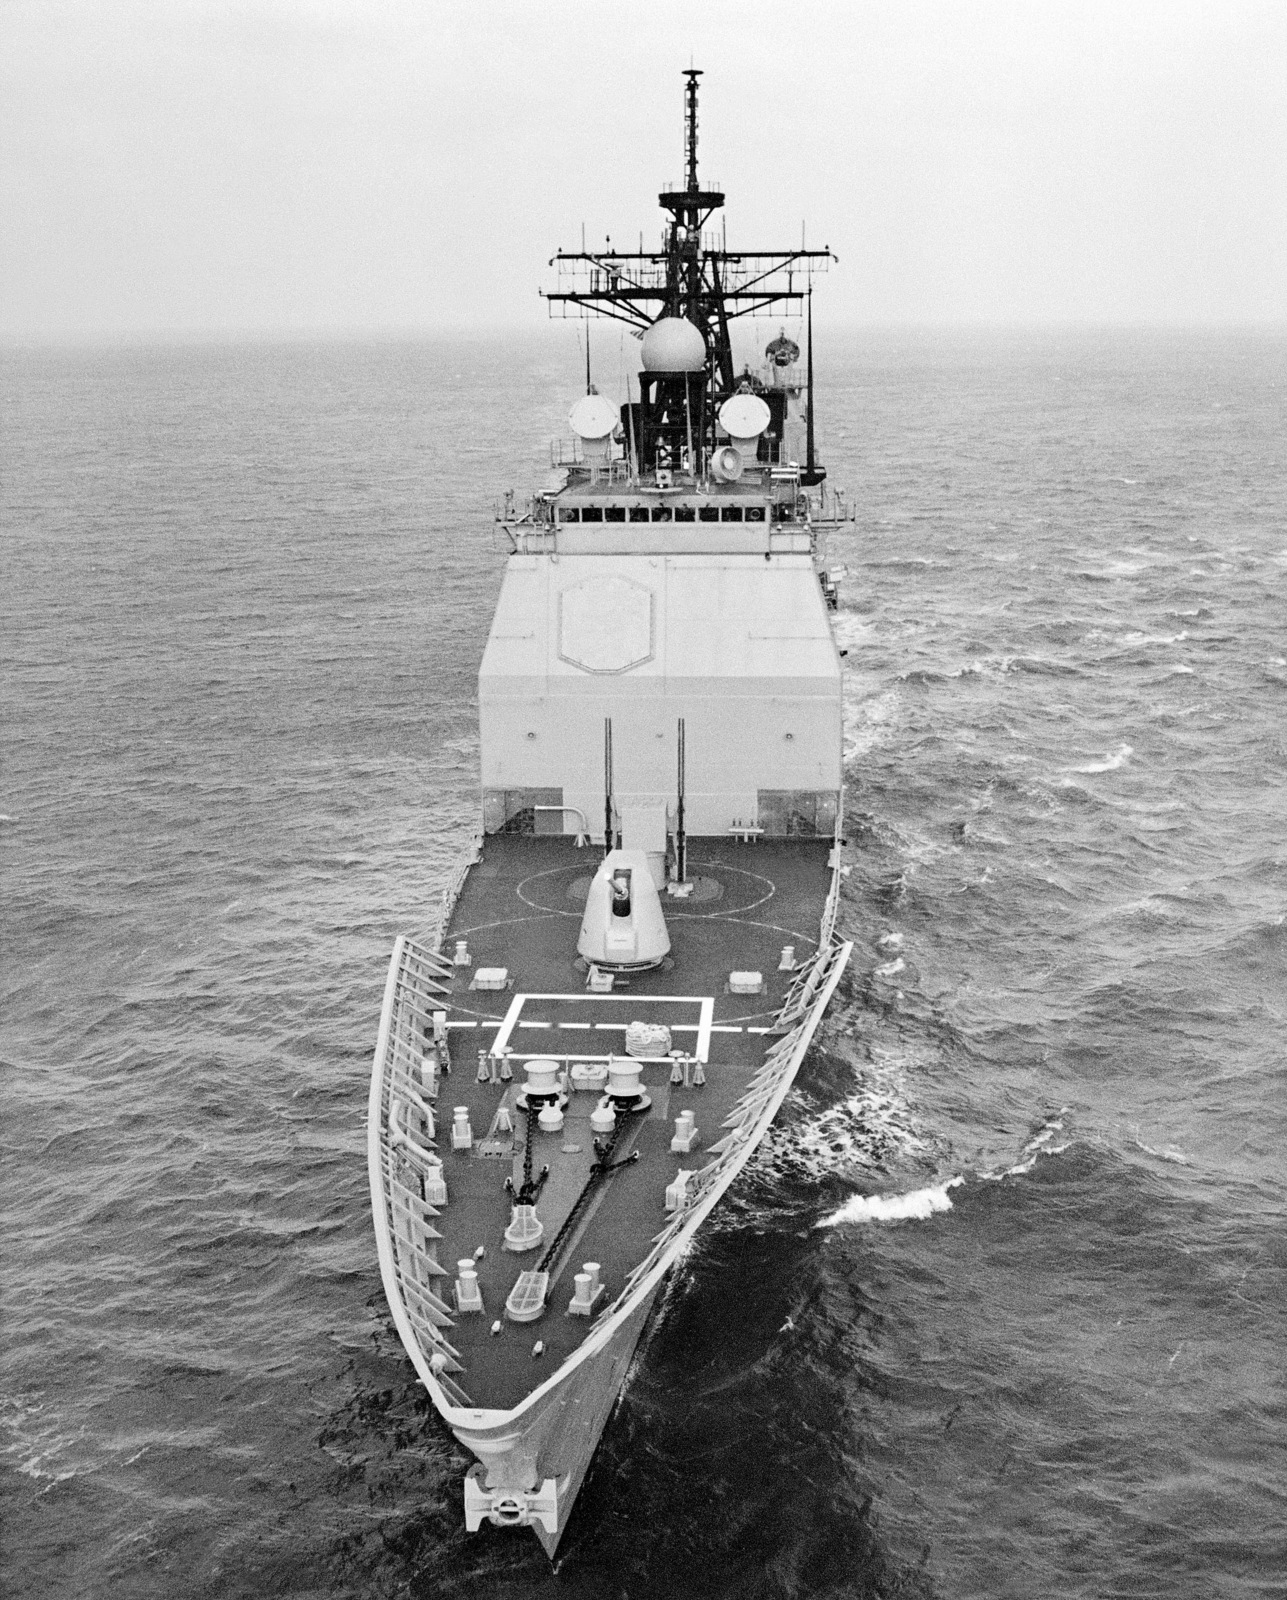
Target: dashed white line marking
x=706, y=1003
x=675, y=1027
x=606, y=1027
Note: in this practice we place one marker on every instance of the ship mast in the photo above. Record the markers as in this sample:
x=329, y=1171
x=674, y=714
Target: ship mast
x=693, y=276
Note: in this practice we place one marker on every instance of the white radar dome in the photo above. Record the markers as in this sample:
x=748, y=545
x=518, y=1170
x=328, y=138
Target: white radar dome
x=673, y=344
x=744, y=416
x=592, y=417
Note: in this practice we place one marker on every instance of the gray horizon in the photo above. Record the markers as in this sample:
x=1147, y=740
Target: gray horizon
x=202, y=172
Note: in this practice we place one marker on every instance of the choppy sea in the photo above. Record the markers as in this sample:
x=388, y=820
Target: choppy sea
x=1000, y=1309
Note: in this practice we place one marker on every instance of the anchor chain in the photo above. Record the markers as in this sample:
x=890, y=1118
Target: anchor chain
x=603, y=1167
x=530, y=1192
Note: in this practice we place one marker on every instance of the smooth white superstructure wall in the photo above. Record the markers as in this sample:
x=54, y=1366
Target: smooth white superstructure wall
x=737, y=645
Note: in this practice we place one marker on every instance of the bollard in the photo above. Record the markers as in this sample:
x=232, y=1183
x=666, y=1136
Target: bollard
x=469, y=1297
x=685, y=1133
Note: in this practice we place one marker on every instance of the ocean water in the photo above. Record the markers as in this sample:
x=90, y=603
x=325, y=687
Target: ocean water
x=1000, y=1309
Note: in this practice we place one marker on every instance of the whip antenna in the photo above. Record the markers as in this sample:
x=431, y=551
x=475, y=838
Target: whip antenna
x=607, y=785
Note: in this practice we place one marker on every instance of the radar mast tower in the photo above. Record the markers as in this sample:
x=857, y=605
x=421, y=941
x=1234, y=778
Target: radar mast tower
x=693, y=276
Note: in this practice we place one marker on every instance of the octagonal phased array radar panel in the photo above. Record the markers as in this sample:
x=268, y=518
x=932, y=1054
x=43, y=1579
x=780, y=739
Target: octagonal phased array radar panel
x=606, y=624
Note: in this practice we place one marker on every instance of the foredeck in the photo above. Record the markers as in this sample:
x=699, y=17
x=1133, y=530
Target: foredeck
x=520, y=908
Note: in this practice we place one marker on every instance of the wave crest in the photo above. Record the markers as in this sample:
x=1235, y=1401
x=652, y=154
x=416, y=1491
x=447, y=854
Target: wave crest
x=1119, y=758
x=915, y=1206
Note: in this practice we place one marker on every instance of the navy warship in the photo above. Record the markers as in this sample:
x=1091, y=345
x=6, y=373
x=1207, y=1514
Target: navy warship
x=627, y=970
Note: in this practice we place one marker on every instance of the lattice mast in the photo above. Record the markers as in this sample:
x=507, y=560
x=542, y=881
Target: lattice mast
x=694, y=275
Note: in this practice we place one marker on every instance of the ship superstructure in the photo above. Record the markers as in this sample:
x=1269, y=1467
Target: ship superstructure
x=576, y=1062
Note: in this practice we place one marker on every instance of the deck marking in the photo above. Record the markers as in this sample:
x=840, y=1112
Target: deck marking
x=704, y=1026
x=623, y=999
x=464, y=1024
x=550, y=872
x=620, y=1027
x=517, y=1056
x=759, y=1030
x=731, y=912
x=507, y=1027
x=536, y=1024
x=579, y=868
x=703, y=1050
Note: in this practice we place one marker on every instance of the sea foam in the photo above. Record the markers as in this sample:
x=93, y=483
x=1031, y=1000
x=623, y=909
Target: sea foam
x=1119, y=758
x=916, y=1205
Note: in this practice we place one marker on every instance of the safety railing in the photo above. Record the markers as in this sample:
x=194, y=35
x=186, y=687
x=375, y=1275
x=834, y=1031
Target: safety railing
x=401, y=1151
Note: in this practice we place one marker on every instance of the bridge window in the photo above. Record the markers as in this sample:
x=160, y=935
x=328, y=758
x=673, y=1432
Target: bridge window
x=661, y=514
x=570, y=514
x=730, y=514
x=685, y=514
x=638, y=513
x=591, y=513
x=755, y=513
x=708, y=514
x=614, y=513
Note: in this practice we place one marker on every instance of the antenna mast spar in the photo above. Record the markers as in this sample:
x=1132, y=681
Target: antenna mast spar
x=690, y=125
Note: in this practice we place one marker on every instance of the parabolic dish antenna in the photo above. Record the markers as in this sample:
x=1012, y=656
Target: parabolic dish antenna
x=592, y=417
x=744, y=416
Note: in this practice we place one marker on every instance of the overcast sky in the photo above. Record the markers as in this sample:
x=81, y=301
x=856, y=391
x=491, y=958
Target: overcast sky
x=275, y=166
